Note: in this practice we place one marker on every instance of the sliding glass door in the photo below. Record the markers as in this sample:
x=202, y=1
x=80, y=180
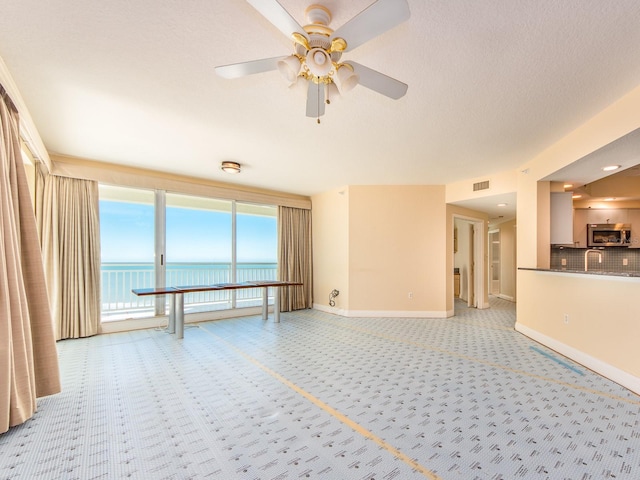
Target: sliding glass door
x=156, y=238
x=256, y=249
x=199, y=248
x=127, y=251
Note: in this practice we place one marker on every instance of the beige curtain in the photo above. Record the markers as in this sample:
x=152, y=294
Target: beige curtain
x=296, y=258
x=70, y=236
x=28, y=355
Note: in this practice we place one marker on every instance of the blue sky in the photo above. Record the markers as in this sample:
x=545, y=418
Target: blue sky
x=126, y=231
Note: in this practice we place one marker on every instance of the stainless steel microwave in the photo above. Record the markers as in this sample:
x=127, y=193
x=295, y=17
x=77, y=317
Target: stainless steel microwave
x=608, y=235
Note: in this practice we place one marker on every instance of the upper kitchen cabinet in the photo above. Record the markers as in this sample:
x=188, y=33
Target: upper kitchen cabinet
x=561, y=218
x=634, y=220
x=580, y=227
x=609, y=215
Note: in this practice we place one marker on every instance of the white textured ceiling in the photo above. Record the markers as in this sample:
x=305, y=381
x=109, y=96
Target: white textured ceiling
x=491, y=84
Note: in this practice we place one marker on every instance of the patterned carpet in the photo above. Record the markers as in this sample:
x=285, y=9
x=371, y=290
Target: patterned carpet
x=321, y=396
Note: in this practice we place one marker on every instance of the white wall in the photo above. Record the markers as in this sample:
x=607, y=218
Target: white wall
x=396, y=261
x=386, y=248
x=592, y=319
x=330, y=231
x=500, y=183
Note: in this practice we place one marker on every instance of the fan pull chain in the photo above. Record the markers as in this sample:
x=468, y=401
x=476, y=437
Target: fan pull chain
x=318, y=100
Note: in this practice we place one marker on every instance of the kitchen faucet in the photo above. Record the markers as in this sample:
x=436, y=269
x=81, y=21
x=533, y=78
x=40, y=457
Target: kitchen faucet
x=586, y=254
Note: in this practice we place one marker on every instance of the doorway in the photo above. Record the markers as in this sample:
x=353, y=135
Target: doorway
x=494, y=262
x=469, y=260
x=471, y=297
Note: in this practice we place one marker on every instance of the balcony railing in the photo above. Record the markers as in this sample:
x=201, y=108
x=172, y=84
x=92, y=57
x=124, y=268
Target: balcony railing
x=118, y=279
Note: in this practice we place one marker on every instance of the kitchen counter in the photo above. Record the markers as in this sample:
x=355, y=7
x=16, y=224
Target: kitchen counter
x=582, y=272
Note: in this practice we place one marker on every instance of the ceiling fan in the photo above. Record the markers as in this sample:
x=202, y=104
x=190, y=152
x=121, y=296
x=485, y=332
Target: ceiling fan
x=318, y=51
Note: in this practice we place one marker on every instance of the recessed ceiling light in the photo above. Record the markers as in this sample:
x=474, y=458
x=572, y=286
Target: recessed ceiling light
x=502, y=205
x=610, y=168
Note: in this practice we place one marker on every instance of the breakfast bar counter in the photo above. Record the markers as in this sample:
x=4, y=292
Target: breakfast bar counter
x=582, y=272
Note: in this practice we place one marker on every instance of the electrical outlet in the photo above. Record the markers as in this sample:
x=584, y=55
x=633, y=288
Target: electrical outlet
x=566, y=318
x=410, y=294
x=625, y=261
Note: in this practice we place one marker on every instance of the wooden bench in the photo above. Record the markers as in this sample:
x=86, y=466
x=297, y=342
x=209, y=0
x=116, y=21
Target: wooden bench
x=176, y=305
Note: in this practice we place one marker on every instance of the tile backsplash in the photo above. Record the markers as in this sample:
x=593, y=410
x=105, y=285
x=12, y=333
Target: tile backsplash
x=613, y=259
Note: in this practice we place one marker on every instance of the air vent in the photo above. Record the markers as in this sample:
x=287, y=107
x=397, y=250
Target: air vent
x=481, y=186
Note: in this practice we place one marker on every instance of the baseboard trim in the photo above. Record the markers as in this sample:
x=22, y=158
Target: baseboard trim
x=328, y=309
x=608, y=371
x=505, y=297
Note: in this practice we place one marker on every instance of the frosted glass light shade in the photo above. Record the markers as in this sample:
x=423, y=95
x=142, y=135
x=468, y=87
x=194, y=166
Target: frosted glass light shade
x=319, y=62
x=347, y=77
x=332, y=92
x=289, y=67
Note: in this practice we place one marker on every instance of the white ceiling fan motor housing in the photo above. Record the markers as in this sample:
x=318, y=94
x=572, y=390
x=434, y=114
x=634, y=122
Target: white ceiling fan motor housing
x=318, y=14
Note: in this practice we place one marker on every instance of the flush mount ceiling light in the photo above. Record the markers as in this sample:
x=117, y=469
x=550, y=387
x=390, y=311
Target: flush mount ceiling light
x=230, y=167
x=610, y=168
x=317, y=51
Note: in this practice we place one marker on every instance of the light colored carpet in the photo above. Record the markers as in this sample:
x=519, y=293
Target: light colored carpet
x=321, y=396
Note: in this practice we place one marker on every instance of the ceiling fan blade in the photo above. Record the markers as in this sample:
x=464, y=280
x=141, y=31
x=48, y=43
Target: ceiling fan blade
x=243, y=69
x=379, y=82
x=315, y=100
x=276, y=14
x=376, y=19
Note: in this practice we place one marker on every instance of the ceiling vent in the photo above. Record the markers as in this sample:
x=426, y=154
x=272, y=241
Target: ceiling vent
x=481, y=186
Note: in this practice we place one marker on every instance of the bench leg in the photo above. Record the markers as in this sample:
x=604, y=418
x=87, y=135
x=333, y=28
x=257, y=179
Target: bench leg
x=276, y=304
x=179, y=309
x=171, y=328
x=265, y=303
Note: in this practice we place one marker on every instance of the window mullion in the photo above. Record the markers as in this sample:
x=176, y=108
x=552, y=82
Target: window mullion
x=233, y=253
x=160, y=236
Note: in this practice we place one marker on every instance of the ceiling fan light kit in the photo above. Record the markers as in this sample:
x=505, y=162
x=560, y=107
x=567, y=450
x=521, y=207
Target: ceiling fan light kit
x=317, y=51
